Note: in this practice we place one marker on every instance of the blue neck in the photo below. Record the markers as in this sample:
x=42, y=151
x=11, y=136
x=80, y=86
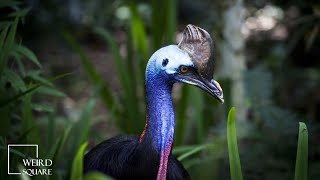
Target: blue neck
x=160, y=115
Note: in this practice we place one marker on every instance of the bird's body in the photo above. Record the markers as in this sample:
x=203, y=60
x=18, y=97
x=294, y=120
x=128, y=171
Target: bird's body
x=148, y=156
x=131, y=160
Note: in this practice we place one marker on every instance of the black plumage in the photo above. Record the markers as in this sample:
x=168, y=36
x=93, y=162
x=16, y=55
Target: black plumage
x=124, y=157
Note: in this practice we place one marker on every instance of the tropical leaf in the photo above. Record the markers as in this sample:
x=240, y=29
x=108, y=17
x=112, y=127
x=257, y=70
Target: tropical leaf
x=192, y=151
x=15, y=80
x=57, y=147
x=109, y=101
x=26, y=52
x=16, y=97
x=234, y=159
x=50, y=91
x=301, y=171
x=77, y=165
x=7, y=41
x=81, y=127
x=138, y=33
x=128, y=123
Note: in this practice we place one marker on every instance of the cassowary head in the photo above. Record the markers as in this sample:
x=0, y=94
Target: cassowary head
x=191, y=62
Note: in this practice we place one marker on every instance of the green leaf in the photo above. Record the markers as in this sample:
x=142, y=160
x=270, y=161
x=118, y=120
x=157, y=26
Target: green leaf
x=137, y=31
x=183, y=149
x=45, y=90
x=301, y=171
x=15, y=80
x=7, y=45
x=107, y=98
x=5, y=121
x=171, y=20
x=26, y=52
x=16, y=97
x=42, y=107
x=81, y=128
x=56, y=149
x=97, y=176
x=25, y=134
x=163, y=22
x=130, y=98
x=19, y=13
x=192, y=151
x=196, y=100
x=28, y=119
x=77, y=164
x=119, y=62
x=36, y=76
x=23, y=176
x=50, y=91
x=181, y=116
x=234, y=159
x=18, y=60
x=3, y=35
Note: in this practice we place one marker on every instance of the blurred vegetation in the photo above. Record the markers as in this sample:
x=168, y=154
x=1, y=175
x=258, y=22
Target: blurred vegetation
x=73, y=71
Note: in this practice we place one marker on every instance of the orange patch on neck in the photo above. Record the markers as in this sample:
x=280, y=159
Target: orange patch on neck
x=144, y=131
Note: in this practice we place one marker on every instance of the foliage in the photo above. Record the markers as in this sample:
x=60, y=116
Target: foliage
x=301, y=171
x=29, y=112
x=234, y=159
x=77, y=165
x=22, y=86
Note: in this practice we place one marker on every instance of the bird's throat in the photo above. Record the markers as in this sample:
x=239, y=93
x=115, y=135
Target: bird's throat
x=160, y=120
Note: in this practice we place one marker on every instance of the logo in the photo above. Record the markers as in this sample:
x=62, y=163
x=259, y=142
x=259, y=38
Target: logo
x=32, y=166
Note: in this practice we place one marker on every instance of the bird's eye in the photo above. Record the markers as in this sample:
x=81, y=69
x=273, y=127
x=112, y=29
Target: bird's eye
x=184, y=69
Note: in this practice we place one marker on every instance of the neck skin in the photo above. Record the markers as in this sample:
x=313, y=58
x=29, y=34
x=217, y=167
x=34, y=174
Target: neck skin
x=160, y=119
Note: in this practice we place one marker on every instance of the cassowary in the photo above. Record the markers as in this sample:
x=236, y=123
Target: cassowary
x=148, y=156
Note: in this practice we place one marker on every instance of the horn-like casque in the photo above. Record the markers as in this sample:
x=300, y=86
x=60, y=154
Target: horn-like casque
x=199, y=45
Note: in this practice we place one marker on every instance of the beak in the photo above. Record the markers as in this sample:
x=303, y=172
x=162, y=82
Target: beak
x=212, y=87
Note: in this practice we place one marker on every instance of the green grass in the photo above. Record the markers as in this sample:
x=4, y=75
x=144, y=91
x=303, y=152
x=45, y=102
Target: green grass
x=301, y=171
x=234, y=159
x=77, y=165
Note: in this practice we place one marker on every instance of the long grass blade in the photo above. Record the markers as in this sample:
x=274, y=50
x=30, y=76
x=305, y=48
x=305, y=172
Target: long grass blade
x=129, y=124
x=3, y=35
x=119, y=62
x=23, y=176
x=301, y=171
x=5, y=121
x=7, y=45
x=196, y=101
x=138, y=32
x=77, y=164
x=9, y=100
x=57, y=148
x=234, y=159
x=192, y=151
x=105, y=93
x=181, y=116
x=171, y=20
x=14, y=98
x=81, y=128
